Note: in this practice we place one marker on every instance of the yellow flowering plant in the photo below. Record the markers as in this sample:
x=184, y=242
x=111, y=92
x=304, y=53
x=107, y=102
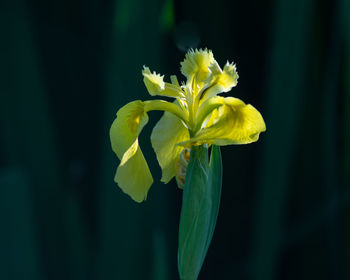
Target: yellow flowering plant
x=197, y=119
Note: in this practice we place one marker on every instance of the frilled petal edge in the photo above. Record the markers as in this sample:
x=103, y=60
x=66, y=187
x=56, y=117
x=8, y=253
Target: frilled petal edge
x=156, y=86
x=220, y=80
x=196, y=64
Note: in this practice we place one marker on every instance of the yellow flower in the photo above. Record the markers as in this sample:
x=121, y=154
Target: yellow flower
x=197, y=116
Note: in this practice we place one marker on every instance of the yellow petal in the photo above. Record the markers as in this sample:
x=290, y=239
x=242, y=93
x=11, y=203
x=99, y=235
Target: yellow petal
x=229, y=77
x=196, y=64
x=156, y=86
x=205, y=109
x=169, y=131
x=211, y=118
x=133, y=175
x=236, y=123
x=153, y=81
x=220, y=80
x=161, y=105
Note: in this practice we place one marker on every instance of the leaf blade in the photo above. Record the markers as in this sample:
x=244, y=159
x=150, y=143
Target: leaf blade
x=201, y=199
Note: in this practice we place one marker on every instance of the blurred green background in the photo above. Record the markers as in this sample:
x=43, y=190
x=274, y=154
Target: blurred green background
x=68, y=66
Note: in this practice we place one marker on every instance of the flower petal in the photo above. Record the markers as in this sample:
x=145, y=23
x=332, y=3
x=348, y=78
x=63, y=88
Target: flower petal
x=133, y=175
x=220, y=80
x=211, y=118
x=169, y=131
x=229, y=77
x=236, y=123
x=156, y=86
x=196, y=64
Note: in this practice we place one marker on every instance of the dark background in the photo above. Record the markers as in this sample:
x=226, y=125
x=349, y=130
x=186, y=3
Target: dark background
x=66, y=67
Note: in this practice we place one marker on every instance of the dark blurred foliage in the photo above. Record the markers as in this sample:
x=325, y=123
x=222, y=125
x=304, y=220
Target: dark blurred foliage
x=68, y=66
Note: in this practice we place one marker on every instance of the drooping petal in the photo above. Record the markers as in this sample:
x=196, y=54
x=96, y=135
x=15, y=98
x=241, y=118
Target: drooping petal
x=196, y=64
x=133, y=175
x=236, y=123
x=156, y=86
x=220, y=80
x=169, y=131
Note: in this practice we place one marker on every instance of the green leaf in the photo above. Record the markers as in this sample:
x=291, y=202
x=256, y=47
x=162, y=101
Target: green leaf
x=200, y=206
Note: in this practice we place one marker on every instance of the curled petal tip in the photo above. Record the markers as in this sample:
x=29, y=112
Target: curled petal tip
x=153, y=81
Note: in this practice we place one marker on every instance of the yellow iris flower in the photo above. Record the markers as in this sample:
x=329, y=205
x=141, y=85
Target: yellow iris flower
x=197, y=116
